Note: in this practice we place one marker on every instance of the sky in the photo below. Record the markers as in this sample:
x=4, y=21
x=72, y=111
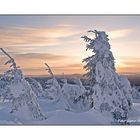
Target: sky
x=56, y=40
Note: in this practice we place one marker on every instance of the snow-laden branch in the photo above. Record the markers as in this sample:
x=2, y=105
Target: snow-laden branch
x=86, y=39
x=95, y=32
x=49, y=70
x=11, y=60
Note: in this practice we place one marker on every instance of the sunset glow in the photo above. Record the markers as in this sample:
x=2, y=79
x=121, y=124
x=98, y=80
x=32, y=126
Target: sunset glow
x=34, y=40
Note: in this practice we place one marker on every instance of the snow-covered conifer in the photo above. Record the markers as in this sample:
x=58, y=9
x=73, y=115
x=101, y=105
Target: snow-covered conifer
x=76, y=96
x=36, y=87
x=111, y=91
x=136, y=93
x=53, y=89
x=21, y=94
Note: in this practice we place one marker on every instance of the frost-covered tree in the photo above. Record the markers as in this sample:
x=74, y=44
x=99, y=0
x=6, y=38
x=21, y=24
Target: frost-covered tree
x=36, y=87
x=4, y=90
x=20, y=92
x=111, y=91
x=76, y=96
x=53, y=89
x=5, y=79
x=136, y=93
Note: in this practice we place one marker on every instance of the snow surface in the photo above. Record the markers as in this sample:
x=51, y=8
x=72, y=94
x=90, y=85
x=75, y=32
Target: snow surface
x=57, y=115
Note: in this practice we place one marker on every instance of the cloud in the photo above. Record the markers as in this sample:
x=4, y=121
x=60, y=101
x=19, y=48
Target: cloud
x=33, y=60
x=46, y=56
x=69, y=66
x=128, y=69
x=34, y=68
x=69, y=69
x=19, y=37
x=77, y=65
x=25, y=40
x=129, y=65
x=33, y=63
x=115, y=34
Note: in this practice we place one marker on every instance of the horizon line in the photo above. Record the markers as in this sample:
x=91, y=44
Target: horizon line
x=78, y=74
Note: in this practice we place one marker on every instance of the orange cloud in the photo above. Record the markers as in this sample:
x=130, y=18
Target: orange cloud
x=115, y=34
x=33, y=63
x=129, y=65
x=19, y=37
x=25, y=39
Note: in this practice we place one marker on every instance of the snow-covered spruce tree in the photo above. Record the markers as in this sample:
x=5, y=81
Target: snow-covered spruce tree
x=136, y=93
x=111, y=92
x=21, y=94
x=36, y=87
x=4, y=90
x=72, y=96
x=76, y=96
x=53, y=89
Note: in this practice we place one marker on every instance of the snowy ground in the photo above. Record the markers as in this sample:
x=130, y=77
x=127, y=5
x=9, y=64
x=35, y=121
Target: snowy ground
x=56, y=115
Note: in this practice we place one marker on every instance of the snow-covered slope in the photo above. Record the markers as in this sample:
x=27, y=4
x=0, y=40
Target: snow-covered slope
x=58, y=115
